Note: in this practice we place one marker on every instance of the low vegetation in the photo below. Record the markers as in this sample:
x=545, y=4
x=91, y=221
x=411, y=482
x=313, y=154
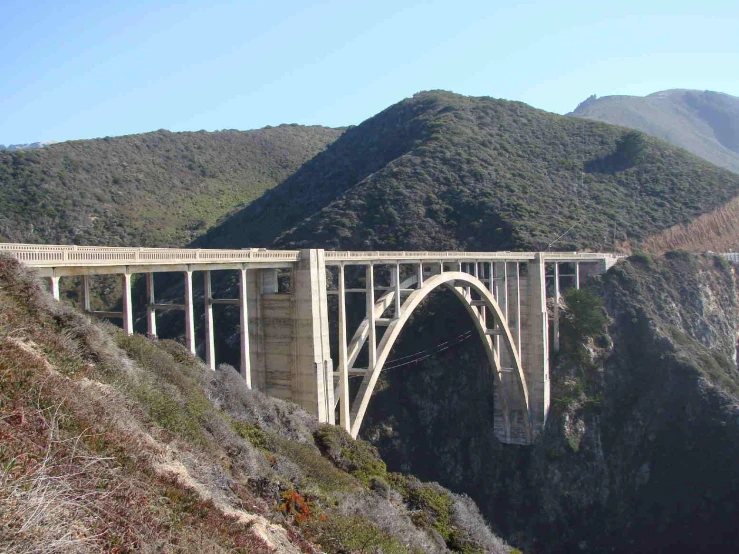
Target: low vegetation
x=441, y=171
x=153, y=189
x=114, y=443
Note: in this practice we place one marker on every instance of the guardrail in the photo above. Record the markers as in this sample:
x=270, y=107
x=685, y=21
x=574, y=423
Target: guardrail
x=43, y=255
x=59, y=255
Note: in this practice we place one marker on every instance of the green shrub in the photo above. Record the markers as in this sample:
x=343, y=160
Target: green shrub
x=254, y=434
x=357, y=457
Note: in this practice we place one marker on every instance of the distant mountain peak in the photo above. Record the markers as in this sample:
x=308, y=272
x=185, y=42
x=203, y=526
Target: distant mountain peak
x=702, y=121
x=29, y=146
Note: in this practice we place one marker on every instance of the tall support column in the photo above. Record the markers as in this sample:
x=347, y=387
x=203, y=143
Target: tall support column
x=189, y=314
x=555, y=318
x=210, y=342
x=536, y=354
x=313, y=377
x=396, y=277
x=577, y=275
x=54, y=287
x=86, y=293
x=245, y=367
x=372, y=339
x=151, y=313
x=420, y=274
x=518, y=309
x=491, y=280
x=127, y=304
x=344, y=417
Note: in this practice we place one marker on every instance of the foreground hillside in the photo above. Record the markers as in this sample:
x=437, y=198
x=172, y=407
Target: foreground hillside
x=640, y=447
x=703, y=122
x=111, y=443
x=154, y=189
x=442, y=171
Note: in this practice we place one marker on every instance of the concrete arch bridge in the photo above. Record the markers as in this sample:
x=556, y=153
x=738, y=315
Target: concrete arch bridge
x=284, y=336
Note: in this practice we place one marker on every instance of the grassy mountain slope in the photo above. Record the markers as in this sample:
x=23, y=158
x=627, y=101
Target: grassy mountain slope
x=443, y=171
x=703, y=122
x=154, y=189
x=111, y=443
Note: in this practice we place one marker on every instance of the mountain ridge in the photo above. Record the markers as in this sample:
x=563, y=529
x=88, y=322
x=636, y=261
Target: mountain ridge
x=703, y=122
x=446, y=171
x=152, y=189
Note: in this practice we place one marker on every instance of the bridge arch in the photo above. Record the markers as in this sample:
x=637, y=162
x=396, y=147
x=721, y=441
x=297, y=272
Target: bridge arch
x=511, y=383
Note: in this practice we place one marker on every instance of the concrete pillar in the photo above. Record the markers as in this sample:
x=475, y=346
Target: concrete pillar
x=536, y=353
x=86, y=293
x=151, y=313
x=555, y=318
x=370, y=311
x=127, y=304
x=517, y=330
x=344, y=417
x=491, y=280
x=210, y=343
x=313, y=381
x=577, y=275
x=189, y=314
x=54, y=287
x=420, y=275
x=244, y=329
x=396, y=279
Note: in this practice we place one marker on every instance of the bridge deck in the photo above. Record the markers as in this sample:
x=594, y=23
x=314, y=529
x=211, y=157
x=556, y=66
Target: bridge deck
x=68, y=260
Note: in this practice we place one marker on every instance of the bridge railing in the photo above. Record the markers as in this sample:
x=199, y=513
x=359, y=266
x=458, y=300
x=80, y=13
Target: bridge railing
x=61, y=255
x=34, y=254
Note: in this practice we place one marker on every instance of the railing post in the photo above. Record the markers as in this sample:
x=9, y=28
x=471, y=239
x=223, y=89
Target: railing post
x=210, y=348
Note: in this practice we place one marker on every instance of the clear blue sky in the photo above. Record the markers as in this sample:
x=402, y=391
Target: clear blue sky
x=84, y=69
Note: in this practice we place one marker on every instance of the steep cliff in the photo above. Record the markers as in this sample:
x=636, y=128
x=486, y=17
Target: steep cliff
x=640, y=449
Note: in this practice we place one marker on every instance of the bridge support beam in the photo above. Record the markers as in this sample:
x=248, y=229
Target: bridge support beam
x=244, y=328
x=127, y=304
x=151, y=317
x=555, y=317
x=535, y=334
x=86, y=293
x=344, y=417
x=313, y=379
x=189, y=314
x=210, y=341
x=54, y=287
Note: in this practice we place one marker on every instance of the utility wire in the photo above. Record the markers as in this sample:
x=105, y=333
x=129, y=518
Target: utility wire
x=424, y=354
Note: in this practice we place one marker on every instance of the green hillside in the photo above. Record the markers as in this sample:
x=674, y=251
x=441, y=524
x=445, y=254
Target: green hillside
x=442, y=171
x=703, y=122
x=154, y=189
